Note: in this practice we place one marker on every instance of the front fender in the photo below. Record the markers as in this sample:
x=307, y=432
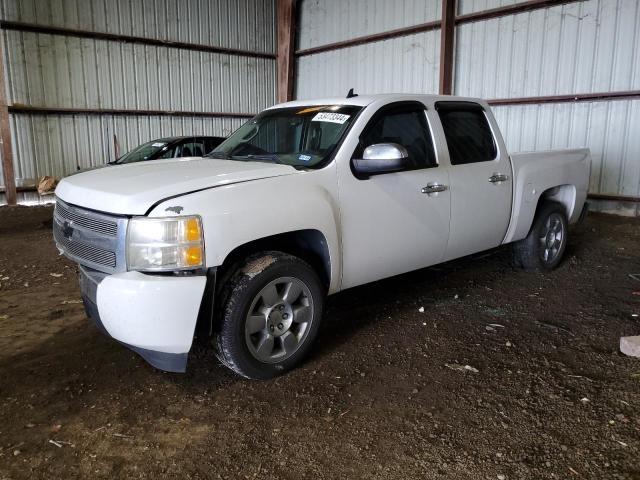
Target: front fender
x=236, y=214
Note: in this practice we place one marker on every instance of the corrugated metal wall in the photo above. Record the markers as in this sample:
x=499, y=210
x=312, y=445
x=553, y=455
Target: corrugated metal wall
x=59, y=71
x=471, y=6
x=61, y=144
x=242, y=24
x=589, y=46
x=407, y=64
x=610, y=129
x=55, y=71
x=327, y=21
x=583, y=47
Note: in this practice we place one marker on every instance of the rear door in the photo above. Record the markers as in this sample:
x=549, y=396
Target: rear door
x=479, y=176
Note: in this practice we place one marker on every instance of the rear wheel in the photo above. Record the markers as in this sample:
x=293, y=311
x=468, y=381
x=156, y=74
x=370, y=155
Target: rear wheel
x=269, y=316
x=544, y=246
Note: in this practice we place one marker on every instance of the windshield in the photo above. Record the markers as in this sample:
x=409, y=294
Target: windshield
x=146, y=151
x=301, y=136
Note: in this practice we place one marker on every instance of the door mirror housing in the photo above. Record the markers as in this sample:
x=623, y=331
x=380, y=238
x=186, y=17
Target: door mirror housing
x=381, y=158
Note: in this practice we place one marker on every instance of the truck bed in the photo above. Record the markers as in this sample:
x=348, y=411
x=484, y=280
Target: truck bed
x=560, y=175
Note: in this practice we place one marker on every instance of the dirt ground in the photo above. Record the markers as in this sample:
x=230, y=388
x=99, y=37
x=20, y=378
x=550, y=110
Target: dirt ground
x=546, y=394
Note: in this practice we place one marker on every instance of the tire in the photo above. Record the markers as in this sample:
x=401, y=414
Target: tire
x=543, y=248
x=269, y=315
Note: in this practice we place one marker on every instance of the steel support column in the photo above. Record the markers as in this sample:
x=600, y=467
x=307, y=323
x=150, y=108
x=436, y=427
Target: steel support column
x=286, y=48
x=5, y=136
x=447, y=45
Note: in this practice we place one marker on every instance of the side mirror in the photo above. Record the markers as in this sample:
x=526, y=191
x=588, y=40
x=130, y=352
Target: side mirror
x=381, y=158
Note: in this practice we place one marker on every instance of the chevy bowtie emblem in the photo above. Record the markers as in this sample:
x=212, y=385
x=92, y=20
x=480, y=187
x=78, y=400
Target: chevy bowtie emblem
x=67, y=230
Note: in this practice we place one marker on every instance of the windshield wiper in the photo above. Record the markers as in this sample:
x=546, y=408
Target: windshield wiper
x=262, y=157
x=258, y=158
x=221, y=155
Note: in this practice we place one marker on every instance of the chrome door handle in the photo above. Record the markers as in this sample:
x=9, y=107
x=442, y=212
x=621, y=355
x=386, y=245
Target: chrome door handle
x=434, y=188
x=498, y=177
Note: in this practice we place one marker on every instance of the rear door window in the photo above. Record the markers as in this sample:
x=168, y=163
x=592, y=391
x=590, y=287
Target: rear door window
x=191, y=148
x=467, y=130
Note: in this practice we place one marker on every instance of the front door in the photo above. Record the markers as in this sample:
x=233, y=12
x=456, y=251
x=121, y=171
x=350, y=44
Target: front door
x=391, y=224
x=480, y=178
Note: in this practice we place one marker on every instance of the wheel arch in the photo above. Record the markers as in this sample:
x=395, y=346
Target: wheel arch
x=309, y=245
x=527, y=204
x=562, y=194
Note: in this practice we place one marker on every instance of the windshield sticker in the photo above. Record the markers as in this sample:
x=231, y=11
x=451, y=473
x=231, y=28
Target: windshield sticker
x=304, y=158
x=331, y=117
x=158, y=144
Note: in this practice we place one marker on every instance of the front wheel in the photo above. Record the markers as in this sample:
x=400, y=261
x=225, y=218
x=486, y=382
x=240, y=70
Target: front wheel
x=544, y=247
x=269, y=317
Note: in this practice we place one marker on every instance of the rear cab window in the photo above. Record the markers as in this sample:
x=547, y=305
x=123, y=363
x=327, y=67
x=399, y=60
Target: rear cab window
x=467, y=131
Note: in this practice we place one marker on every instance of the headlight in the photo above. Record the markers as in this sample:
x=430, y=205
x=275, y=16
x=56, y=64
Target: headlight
x=165, y=244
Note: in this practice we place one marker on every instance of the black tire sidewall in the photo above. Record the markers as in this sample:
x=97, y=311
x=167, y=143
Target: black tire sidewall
x=242, y=290
x=543, y=214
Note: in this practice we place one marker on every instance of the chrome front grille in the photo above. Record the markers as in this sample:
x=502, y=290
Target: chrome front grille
x=83, y=251
x=107, y=227
x=95, y=240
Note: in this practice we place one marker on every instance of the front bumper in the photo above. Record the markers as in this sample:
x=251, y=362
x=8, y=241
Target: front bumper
x=153, y=315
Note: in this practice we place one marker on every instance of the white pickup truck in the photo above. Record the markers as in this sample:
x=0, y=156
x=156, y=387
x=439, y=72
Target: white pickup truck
x=305, y=200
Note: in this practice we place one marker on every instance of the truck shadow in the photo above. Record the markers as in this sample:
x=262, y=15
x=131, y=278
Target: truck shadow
x=348, y=312
x=81, y=351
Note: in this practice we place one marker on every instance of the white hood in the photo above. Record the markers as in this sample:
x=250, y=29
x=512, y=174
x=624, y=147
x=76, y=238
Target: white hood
x=132, y=189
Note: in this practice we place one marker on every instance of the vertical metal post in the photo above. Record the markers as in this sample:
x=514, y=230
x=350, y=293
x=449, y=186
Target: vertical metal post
x=447, y=45
x=286, y=19
x=116, y=147
x=5, y=136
